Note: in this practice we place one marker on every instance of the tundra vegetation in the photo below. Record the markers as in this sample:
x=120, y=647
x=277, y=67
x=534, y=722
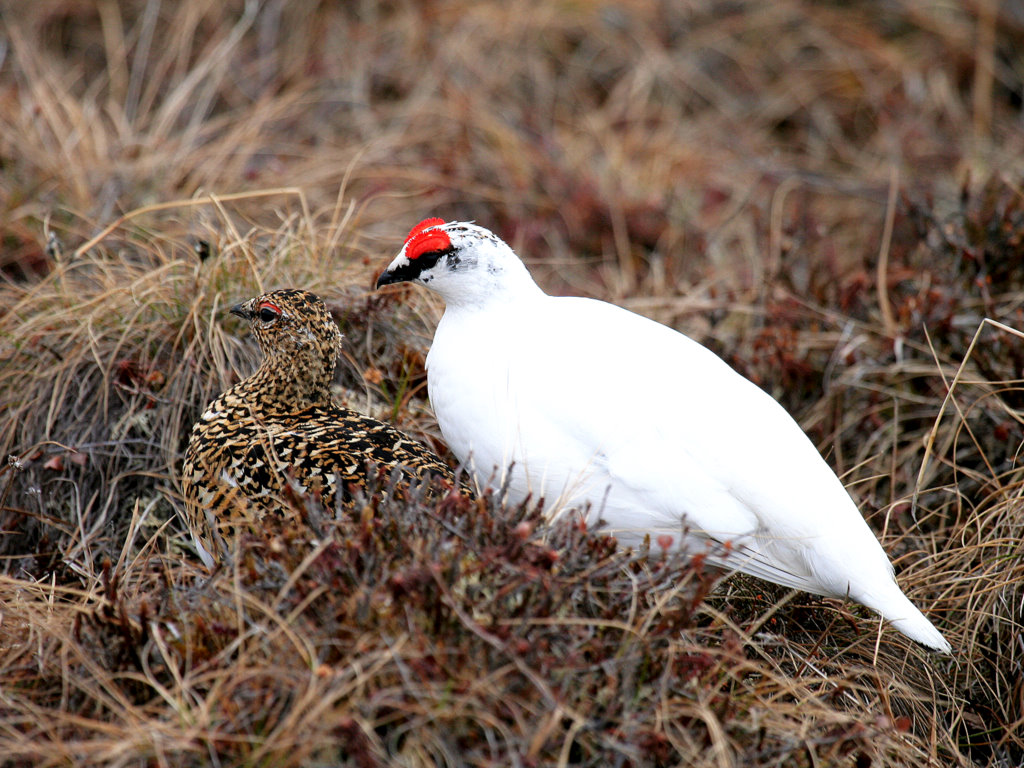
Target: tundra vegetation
x=829, y=195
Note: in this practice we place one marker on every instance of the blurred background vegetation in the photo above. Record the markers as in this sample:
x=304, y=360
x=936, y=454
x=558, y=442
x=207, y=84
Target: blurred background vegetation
x=827, y=194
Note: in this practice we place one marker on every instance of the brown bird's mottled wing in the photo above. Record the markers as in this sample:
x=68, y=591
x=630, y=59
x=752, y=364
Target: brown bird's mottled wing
x=240, y=468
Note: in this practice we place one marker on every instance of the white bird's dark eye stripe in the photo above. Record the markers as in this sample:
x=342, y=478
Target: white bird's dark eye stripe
x=414, y=268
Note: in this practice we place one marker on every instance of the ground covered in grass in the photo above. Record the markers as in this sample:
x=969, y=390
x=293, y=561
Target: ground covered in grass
x=828, y=194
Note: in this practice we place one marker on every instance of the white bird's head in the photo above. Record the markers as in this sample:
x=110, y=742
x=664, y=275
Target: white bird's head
x=464, y=263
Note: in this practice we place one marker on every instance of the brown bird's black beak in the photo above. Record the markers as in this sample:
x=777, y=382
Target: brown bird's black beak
x=242, y=310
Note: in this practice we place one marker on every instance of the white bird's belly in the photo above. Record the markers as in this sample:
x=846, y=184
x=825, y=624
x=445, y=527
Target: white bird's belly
x=484, y=430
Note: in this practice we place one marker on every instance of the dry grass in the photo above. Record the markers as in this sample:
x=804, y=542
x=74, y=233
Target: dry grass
x=830, y=196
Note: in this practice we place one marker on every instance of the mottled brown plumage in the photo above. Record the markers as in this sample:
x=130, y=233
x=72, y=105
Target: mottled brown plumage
x=277, y=436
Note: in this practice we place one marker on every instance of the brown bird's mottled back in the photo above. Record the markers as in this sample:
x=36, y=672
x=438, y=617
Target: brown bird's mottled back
x=277, y=435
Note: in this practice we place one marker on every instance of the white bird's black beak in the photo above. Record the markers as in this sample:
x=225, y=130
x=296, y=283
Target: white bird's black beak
x=403, y=269
x=391, y=276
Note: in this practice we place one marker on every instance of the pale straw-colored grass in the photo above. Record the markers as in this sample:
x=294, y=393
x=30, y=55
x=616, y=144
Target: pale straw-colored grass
x=828, y=196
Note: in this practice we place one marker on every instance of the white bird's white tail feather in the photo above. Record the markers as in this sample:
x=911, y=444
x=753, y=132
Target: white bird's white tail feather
x=920, y=629
x=904, y=616
x=891, y=605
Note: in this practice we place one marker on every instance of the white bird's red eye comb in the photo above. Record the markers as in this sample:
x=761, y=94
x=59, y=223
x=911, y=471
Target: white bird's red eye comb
x=422, y=239
x=421, y=226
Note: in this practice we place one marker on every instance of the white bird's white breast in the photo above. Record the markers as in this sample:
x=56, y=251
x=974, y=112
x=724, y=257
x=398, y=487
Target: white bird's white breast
x=485, y=373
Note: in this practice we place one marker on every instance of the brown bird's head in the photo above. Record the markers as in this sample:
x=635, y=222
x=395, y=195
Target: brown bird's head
x=299, y=338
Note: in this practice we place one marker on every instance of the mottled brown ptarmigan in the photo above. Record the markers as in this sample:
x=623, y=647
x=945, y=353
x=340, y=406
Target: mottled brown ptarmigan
x=277, y=436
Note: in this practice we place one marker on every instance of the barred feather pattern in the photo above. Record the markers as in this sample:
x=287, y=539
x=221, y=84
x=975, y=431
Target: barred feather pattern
x=275, y=440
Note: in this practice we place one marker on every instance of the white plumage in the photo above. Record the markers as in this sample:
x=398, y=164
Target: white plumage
x=590, y=403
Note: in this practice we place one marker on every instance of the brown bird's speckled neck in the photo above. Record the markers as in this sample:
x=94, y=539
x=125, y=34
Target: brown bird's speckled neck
x=300, y=343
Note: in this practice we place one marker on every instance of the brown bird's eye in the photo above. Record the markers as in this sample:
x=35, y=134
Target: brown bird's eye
x=268, y=312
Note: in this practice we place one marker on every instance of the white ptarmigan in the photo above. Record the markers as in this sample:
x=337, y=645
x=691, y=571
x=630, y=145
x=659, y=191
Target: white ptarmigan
x=580, y=402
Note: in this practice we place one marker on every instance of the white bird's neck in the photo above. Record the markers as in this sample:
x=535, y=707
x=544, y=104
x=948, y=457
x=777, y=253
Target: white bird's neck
x=493, y=276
